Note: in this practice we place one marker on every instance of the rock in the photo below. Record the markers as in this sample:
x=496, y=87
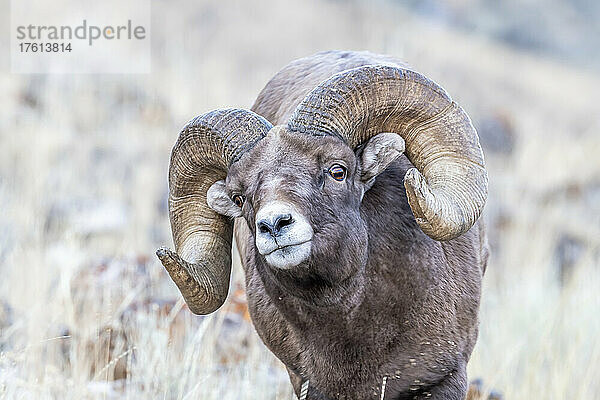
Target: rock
x=87, y=217
x=497, y=134
x=568, y=251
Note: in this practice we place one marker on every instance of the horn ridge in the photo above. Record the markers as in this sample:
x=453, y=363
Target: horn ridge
x=448, y=189
x=202, y=155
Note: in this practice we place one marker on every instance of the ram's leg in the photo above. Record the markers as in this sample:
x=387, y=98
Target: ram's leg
x=453, y=387
x=311, y=394
x=295, y=380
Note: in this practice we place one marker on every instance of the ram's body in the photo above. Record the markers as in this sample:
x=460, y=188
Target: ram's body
x=363, y=269
x=416, y=322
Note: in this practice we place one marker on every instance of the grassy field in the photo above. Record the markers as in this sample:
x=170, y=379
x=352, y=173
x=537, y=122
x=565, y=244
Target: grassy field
x=86, y=310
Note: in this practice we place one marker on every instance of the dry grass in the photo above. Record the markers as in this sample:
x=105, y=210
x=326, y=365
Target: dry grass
x=83, y=189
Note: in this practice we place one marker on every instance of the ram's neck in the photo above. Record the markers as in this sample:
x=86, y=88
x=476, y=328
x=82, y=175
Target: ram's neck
x=306, y=301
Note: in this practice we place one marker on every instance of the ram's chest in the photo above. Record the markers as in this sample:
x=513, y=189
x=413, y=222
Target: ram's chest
x=342, y=369
x=341, y=374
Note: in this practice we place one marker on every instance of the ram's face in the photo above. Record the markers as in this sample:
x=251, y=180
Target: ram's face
x=299, y=194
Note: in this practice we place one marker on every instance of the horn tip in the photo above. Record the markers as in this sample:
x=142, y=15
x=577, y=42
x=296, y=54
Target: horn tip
x=165, y=255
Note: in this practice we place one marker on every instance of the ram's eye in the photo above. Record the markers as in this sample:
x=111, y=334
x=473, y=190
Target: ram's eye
x=238, y=200
x=337, y=172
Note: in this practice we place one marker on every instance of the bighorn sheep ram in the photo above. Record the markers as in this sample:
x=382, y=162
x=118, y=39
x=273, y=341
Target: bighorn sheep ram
x=358, y=296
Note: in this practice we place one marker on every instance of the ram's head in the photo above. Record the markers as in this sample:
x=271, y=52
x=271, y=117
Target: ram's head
x=300, y=185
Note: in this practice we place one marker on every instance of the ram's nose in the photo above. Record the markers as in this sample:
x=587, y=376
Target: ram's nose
x=283, y=235
x=274, y=223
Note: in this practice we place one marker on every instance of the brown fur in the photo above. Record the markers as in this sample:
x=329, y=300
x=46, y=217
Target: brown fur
x=378, y=298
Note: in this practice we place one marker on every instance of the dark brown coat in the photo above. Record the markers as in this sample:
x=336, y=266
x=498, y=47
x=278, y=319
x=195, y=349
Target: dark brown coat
x=380, y=299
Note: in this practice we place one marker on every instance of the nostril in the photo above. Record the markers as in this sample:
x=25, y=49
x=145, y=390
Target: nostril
x=264, y=227
x=281, y=222
x=284, y=220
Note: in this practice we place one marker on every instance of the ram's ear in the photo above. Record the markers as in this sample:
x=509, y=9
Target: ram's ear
x=377, y=154
x=218, y=199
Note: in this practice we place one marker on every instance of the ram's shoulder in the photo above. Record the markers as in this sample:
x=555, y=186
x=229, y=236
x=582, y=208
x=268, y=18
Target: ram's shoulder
x=471, y=248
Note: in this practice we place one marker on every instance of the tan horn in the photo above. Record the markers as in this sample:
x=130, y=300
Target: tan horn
x=202, y=155
x=448, y=188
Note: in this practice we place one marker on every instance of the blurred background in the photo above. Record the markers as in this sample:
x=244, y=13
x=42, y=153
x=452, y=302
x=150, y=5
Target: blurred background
x=86, y=310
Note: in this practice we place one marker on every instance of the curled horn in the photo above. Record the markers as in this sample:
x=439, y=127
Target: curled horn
x=448, y=188
x=203, y=153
